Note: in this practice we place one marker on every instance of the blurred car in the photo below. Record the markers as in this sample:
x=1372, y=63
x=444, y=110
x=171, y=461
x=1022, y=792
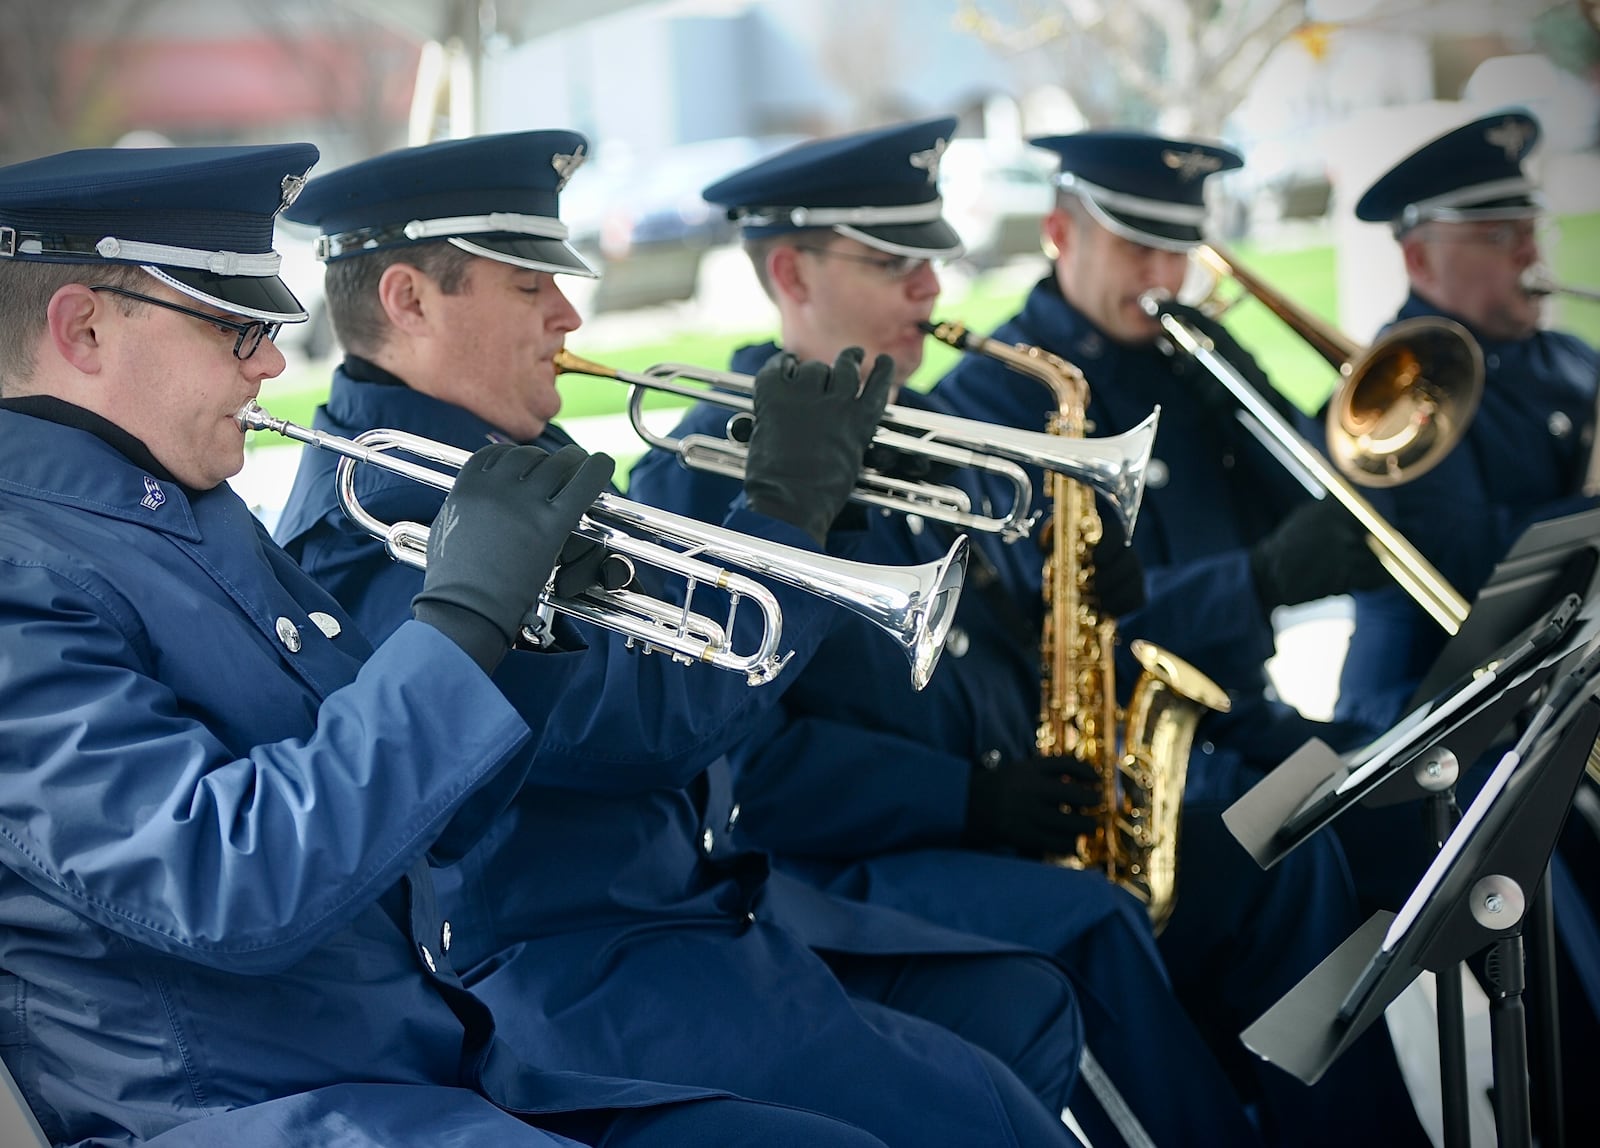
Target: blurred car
x=643, y=223
x=995, y=194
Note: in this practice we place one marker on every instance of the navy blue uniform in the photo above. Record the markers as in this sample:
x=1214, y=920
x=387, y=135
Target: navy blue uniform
x=215, y=907
x=859, y=784
x=599, y=929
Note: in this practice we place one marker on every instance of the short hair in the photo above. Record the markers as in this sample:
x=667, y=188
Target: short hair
x=351, y=289
x=758, y=249
x=26, y=288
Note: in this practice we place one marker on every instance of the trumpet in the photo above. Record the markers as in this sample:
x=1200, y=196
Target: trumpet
x=915, y=605
x=1113, y=466
x=1537, y=280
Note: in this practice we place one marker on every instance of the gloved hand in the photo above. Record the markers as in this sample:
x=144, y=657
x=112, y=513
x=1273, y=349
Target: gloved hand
x=1032, y=805
x=812, y=427
x=497, y=538
x=584, y=564
x=1318, y=550
x=1118, y=573
x=1211, y=390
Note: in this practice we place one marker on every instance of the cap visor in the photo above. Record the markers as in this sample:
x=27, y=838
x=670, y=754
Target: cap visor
x=1158, y=233
x=556, y=256
x=934, y=239
x=263, y=297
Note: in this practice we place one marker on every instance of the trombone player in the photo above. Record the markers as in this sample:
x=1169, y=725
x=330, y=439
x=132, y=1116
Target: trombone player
x=1465, y=214
x=935, y=802
x=597, y=922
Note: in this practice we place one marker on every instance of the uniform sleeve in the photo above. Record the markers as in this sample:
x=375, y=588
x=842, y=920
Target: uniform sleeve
x=1208, y=611
x=119, y=801
x=810, y=786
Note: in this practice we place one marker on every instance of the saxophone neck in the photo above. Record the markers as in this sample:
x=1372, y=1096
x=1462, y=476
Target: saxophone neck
x=1065, y=381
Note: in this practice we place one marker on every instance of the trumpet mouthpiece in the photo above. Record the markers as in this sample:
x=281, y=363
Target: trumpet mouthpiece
x=252, y=417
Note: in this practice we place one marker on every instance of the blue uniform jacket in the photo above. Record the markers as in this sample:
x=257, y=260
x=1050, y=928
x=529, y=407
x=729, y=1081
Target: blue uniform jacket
x=1211, y=493
x=626, y=813
x=210, y=785
x=1522, y=460
x=859, y=784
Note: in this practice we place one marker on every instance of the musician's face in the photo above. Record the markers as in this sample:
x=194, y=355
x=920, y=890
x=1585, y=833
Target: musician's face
x=1102, y=275
x=495, y=345
x=841, y=293
x=1473, y=271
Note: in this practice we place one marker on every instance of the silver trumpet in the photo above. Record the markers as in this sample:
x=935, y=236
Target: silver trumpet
x=1115, y=466
x=913, y=604
x=1537, y=280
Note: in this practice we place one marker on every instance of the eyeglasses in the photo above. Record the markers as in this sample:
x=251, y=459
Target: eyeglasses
x=1508, y=235
x=249, y=335
x=896, y=267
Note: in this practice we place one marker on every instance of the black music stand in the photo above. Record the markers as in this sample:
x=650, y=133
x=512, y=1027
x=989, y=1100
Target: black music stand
x=1474, y=897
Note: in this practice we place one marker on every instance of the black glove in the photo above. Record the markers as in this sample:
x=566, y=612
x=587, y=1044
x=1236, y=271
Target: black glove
x=1118, y=573
x=892, y=463
x=586, y=564
x=1215, y=395
x=812, y=427
x=497, y=538
x=1032, y=805
x=1317, y=551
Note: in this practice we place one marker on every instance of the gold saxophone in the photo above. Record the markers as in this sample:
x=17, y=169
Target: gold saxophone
x=1136, y=840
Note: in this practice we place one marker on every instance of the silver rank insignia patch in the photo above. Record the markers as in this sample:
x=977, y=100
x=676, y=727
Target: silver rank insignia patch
x=1510, y=136
x=929, y=160
x=1189, y=164
x=565, y=165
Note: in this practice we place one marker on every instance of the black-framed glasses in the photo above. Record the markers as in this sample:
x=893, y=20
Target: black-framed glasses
x=248, y=335
x=896, y=267
x=1507, y=235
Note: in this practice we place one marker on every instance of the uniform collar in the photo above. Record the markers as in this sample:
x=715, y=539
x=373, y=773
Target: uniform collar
x=58, y=410
x=1417, y=307
x=57, y=461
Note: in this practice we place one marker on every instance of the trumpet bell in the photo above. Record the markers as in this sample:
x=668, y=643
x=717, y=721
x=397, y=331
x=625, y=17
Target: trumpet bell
x=1406, y=403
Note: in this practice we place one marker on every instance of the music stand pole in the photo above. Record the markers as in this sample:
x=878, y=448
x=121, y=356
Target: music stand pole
x=1451, y=1003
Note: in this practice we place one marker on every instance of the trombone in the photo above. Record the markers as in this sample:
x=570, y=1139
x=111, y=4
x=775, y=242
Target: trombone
x=1537, y=280
x=913, y=604
x=1390, y=420
x=1115, y=466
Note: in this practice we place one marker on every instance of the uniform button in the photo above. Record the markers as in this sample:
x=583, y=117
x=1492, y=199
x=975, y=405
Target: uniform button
x=1207, y=748
x=990, y=759
x=1155, y=475
x=957, y=642
x=427, y=959
x=750, y=918
x=708, y=841
x=914, y=523
x=327, y=623
x=444, y=937
x=288, y=634
x=1227, y=461
x=733, y=817
x=1560, y=424
x=1491, y=361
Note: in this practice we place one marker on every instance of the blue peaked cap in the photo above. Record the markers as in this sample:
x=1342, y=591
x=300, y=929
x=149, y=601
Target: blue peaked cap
x=1473, y=172
x=495, y=196
x=880, y=187
x=199, y=219
x=1145, y=188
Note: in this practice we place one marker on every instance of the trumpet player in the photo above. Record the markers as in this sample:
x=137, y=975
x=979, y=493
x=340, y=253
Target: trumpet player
x=603, y=924
x=217, y=799
x=936, y=802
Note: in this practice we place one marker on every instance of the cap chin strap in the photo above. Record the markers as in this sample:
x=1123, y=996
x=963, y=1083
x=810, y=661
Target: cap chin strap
x=839, y=216
x=361, y=239
x=1132, y=234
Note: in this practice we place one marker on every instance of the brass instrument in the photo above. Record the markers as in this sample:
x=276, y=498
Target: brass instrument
x=1402, y=406
x=1142, y=781
x=913, y=604
x=1113, y=466
x=1537, y=280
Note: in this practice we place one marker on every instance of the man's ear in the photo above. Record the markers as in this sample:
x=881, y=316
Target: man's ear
x=1055, y=233
x=786, y=273
x=403, y=293
x=1418, y=259
x=74, y=316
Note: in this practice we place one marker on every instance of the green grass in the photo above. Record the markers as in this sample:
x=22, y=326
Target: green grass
x=1306, y=276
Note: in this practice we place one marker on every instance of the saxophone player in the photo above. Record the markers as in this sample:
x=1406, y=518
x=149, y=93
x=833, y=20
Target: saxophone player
x=935, y=803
